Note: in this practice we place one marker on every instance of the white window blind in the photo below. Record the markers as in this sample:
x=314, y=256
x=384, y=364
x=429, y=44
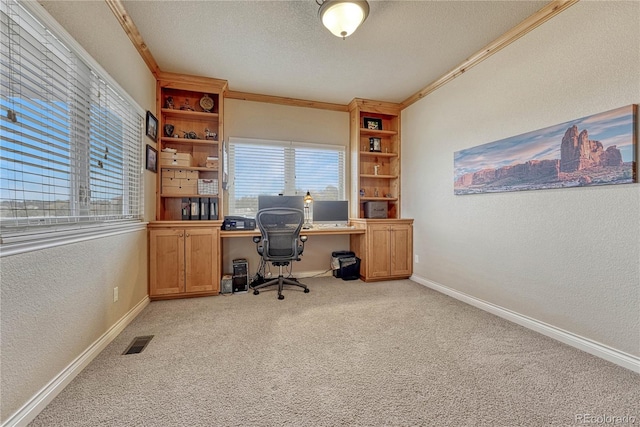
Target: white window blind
x=70, y=144
x=266, y=167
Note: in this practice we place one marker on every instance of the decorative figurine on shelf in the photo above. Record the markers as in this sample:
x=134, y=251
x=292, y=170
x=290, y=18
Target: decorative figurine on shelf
x=375, y=193
x=362, y=192
x=375, y=169
x=169, y=102
x=388, y=196
x=206, y=103
x=190, y=135
x=168, y=129
x=211, y=136
x=186, y=106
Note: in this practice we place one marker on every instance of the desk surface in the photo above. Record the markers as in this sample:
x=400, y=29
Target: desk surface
x=324, y=231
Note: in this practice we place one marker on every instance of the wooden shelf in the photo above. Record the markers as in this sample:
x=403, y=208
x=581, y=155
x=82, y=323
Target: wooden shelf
x=378, y=176
x=171, y=140
x=377, y=154
x=374, y=132
x=191, y=115
x=378, y=199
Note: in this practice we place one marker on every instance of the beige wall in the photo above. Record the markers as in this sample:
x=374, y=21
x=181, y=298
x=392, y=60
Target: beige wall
x=566, y=257
x=278, y=122
x=56, y=302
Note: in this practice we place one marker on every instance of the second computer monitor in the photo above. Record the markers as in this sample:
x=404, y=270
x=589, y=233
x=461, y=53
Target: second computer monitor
x=265, y=202
x=331, y=212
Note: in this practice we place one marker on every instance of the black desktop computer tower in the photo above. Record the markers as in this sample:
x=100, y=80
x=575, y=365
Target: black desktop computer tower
x=240, y=278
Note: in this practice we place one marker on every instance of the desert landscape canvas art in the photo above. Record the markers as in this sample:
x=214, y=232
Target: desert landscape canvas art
x=595, y=150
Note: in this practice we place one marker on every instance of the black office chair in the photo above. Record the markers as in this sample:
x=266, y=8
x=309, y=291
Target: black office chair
x=280, y=243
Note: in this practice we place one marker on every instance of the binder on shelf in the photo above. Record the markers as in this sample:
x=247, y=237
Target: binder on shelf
x=213, y=208
x=186, y=208
x=204, y=208
x=195, y=209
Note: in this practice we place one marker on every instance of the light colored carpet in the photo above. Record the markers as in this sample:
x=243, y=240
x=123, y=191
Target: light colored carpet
x=346, y=354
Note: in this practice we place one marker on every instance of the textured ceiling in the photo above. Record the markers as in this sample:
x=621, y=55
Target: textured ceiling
x=280, y=48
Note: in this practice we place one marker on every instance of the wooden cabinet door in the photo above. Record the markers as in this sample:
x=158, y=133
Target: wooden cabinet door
x=401, y=250
x=201, y=259
x=378, y=261
x=166, y=262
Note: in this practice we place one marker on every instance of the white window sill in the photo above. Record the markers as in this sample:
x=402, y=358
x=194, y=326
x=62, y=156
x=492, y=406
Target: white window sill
x=22, y=243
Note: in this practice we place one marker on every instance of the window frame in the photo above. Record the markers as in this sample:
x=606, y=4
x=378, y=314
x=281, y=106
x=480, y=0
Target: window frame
x=28, y=238
x=288, y=162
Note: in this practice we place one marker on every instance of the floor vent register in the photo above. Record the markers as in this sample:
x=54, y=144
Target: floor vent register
x=138, y=344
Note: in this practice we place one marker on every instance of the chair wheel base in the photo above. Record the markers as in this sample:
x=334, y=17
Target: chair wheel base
x=280, y=296
x=306, y=291
x=256, y=292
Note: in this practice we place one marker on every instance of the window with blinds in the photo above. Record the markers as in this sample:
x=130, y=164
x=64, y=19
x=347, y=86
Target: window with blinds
x=264, y=167
x=70, y=144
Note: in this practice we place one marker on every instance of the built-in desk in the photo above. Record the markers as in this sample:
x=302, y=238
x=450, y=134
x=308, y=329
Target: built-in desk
x=316, y=259
x=188, y=258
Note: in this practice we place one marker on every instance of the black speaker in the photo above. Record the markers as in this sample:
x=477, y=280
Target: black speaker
x=240, y=275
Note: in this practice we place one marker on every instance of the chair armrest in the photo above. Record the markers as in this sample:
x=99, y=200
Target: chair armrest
x=259, y=245
x=300, y=248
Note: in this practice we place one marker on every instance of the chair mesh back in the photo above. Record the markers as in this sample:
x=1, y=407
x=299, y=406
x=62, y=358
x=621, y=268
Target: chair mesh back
x=280, y=229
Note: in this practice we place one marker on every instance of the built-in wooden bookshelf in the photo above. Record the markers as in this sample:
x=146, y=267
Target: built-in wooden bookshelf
x=375, y=156
x=191, y=111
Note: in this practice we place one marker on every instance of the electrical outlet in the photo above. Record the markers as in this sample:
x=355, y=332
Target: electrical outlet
x=416, y=259
x=115, y=294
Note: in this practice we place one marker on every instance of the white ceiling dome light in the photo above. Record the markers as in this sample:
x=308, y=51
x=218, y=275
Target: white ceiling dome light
x=343, y=17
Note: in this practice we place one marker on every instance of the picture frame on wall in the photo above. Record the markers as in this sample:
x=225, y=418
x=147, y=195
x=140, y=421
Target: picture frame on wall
x=152, y=126
x=372, y=123
x=375, y=144
x=152, y=159
x=554, y=157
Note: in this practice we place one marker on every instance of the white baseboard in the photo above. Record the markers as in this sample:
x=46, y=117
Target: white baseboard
x=40, y=400
x=600, y=350
x=316, y=273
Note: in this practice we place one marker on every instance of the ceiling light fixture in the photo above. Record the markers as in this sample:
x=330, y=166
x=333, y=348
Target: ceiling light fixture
x=343, y=17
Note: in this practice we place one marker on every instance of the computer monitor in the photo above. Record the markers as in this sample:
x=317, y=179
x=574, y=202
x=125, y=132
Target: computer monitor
x=331, y=212
x=265, y=202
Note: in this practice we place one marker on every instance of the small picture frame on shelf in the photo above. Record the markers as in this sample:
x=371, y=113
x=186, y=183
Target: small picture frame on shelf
x=375, y=144
x=152, y=126
x=152, y=159
x=372, y=123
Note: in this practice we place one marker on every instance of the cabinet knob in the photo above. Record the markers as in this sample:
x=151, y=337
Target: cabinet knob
x=187, y=234
x=180, y=235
